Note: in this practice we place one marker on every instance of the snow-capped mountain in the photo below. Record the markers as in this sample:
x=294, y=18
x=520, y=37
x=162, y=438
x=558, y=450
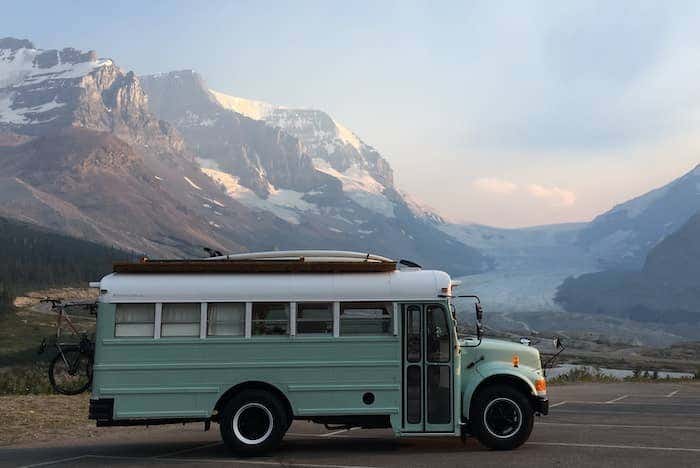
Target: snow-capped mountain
x=162, y=167
x=303, y=167
x=622, y=237
x=29, y=79
x=664, y=291
x=81, y=153
x=334, y=150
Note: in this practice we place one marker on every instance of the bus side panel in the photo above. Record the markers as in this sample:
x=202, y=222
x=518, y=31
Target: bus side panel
x=185, y=377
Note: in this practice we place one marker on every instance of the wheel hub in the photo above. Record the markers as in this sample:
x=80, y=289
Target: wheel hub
x=503, y=418
x=252, y=423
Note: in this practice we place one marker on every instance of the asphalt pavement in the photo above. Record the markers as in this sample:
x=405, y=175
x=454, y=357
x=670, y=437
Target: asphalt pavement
x=624, y=424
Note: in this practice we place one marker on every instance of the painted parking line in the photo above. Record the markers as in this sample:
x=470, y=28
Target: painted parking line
x=672, y=393
x=622, y=426
x=330, y=434
x=187, y=450
x=558, y=404
x=616, y=399
x=632, y=403
x=612, y=446
x=54, y=462
x=236, y=461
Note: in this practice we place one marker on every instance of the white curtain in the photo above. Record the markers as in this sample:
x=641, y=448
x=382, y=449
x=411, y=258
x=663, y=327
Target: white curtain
x=225, y=319
x=180, y=320
x=134, y=320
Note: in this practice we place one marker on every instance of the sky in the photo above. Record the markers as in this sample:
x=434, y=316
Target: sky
x=503, y=113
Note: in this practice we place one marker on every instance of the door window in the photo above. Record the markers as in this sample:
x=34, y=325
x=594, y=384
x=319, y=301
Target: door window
x=438, y=334
x=439, y=401
x=413, y=333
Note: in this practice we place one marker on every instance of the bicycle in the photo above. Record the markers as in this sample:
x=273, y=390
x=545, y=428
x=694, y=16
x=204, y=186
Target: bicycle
x=70, y=371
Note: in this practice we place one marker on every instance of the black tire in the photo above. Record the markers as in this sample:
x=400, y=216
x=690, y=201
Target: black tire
x=74, y=378
x=501, y=417
x=253, y=423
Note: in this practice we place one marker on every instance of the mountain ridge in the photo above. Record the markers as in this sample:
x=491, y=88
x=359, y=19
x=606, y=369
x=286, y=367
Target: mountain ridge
x=85, y=149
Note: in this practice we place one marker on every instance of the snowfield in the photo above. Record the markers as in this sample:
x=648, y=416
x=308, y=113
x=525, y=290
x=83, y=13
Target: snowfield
x=285, y=204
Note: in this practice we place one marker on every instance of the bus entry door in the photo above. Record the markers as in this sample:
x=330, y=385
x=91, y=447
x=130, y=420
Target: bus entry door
x=427, y=369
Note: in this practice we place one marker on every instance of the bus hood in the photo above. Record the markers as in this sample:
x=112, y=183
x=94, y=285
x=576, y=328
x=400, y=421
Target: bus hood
x=502, y=350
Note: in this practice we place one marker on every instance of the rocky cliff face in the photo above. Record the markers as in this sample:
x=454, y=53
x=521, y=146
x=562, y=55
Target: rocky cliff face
x=303, y=167
x=80, y=152
x=261, y=157
x=158, y=165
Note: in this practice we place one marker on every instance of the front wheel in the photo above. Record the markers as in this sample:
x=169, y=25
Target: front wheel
x=501, y=417
x=70, y=372
x=253, y=423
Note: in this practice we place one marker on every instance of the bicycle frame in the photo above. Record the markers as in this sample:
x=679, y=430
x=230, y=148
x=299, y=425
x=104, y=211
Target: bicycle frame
x=58, y=306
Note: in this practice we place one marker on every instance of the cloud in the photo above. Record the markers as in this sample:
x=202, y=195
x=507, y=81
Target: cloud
x=555, y=195
x=495, y=185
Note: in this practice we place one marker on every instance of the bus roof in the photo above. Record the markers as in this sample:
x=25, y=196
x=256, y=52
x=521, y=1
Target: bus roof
x=396, y=285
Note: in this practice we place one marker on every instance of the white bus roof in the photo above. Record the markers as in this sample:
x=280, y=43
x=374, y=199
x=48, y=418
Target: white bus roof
x=397, y=285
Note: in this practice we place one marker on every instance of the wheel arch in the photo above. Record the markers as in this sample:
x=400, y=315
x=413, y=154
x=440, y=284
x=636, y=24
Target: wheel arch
x=510, y=379
x=252, y=385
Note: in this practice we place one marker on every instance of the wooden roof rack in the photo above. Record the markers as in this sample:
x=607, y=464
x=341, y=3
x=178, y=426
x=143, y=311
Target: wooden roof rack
x=292, y=261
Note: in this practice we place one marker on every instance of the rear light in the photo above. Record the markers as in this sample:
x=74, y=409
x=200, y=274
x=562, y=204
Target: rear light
x=541, y=386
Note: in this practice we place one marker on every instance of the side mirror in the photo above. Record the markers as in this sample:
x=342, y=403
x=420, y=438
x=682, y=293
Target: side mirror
x=479, y=317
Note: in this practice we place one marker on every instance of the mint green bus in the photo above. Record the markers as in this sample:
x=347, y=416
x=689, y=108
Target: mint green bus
x=255, y=341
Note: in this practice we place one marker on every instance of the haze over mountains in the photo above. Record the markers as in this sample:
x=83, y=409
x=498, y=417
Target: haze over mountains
x=163, y=165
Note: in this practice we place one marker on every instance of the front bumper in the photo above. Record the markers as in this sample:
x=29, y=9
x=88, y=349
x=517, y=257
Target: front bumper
x=541, y=405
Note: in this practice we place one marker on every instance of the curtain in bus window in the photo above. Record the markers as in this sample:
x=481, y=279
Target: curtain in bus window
x=315, y=318
x=226, y=319
x=270, y=319
x=180, y=320
x=366, y=318
x=134, y=320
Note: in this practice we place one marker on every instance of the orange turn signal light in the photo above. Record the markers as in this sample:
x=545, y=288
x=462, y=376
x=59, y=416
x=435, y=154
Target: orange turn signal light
x=540, y=385
x=516, y=360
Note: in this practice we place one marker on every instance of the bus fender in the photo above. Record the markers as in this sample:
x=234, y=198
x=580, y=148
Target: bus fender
x=494, y=373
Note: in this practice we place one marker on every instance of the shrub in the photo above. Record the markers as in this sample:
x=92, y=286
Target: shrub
x=582, y=374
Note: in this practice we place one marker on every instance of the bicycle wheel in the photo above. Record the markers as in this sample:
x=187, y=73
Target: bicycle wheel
x=70, y=372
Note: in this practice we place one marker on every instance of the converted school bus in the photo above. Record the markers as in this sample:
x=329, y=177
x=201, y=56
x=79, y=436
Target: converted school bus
x=254, y=341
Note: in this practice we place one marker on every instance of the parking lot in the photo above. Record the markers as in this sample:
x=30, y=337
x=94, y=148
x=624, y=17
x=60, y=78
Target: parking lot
x=625, y=424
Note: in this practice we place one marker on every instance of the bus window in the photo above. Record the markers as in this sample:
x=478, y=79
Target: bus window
x=314, y=318
x=364, y=318
x=270, y=319
x=135, y=320
x=180, y=320
x=226, y=319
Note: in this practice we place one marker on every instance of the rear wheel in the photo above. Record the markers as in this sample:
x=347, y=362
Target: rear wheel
x=70, y=372
x=253, y=422
x=501, y=417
